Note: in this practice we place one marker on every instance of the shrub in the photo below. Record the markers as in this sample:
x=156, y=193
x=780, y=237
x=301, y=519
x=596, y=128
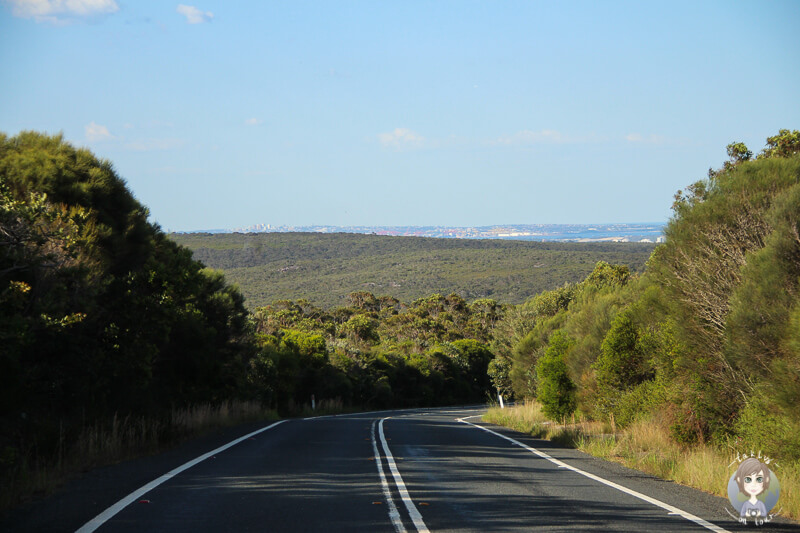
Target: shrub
x=556, y=390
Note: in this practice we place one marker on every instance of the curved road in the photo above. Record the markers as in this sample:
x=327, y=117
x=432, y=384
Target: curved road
x=413, y=470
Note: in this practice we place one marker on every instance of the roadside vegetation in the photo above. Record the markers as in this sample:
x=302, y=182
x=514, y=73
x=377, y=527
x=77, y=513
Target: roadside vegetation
x=112, y=338
x=116, y=341
x=646, y=445
x=695, y=360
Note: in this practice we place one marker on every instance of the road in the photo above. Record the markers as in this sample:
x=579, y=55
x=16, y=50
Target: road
x=413, y=470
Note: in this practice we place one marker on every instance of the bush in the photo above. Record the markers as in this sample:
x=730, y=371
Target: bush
x=556, y=391
x=639, y=402
x=762, y=426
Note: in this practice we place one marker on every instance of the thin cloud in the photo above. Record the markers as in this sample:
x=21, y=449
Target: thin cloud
x=527, y=137
x=61, y=11
x=253, y=121
x=96, y=132
x=400, y=138
x=194, y=15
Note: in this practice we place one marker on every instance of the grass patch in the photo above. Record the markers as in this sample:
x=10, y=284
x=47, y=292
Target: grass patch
x=326, y=406
x=646, y=446
x=39, y=469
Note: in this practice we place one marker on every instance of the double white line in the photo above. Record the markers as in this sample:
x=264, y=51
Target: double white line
x=394, y=515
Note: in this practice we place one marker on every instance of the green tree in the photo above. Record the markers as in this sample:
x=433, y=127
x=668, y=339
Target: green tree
x=738, y=152
x=785, y=144
x=116, y=317
x=473, y=358
x=623, y=361
x=556, y=390
x=499, y=371
x=365, y=301
x=362, y=328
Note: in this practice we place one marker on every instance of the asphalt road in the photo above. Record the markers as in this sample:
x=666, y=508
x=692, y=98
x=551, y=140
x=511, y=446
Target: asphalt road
x=414, y=470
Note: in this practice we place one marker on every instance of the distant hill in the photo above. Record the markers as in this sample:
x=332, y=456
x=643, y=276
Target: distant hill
x=325, y=268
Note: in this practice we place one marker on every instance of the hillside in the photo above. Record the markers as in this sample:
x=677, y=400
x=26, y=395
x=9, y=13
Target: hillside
x=325, y=268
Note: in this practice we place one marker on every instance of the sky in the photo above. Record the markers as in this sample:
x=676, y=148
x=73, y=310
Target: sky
x=223, y=114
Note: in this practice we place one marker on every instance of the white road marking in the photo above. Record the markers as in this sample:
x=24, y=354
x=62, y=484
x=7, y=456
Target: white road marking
x=394, y=514
x=347, y=415
x=420, y=411
x=671, y=509
x=103, y=517
x=413, y=512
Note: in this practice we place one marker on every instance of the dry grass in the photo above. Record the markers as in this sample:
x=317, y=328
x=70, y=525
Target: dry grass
x=528, y=418
x=646, y=446
x=332, y=406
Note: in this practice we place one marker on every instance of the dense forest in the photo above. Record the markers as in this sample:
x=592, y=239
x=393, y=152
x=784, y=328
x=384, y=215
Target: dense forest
x=325, y=268
x=103, y=315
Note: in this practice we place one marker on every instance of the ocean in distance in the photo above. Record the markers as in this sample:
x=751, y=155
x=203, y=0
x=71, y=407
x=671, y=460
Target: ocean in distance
x=618, y=232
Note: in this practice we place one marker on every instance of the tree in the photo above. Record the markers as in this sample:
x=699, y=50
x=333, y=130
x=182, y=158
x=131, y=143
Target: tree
x=623, y=362
x=606, y=275
x=362, y=328
x=785, y=144
x=738, y=152
x=556, y=390
x=473, y=358
x=499, y=371
x=364, y=301
x=108, y=313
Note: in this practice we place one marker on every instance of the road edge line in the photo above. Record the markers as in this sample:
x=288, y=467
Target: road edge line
x=413, y=512
x=658, y=503
x=106, y=515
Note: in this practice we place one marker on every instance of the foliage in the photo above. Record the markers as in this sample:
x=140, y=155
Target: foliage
x=100, y=313
x=499, y=371
x=556, y=391
x=623, y=362
x=377, y=352
x=326, y=268
x=729, y=269
x=707, y=336
x=785, y=144
x=760, y=324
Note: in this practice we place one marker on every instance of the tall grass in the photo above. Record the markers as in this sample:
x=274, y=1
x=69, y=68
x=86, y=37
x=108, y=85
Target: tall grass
x=327, y=406
x=39, y=469
x=646, y=445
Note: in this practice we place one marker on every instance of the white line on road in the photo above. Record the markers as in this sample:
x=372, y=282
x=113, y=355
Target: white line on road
x=103, y=517
x=394, y=514
x=671, y=509
x=413, y=512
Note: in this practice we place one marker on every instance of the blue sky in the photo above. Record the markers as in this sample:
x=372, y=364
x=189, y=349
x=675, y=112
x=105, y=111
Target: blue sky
x=465, y=113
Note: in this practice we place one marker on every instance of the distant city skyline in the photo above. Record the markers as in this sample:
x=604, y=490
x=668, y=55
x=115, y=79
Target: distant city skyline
x=402, y=112
x=633, y=232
